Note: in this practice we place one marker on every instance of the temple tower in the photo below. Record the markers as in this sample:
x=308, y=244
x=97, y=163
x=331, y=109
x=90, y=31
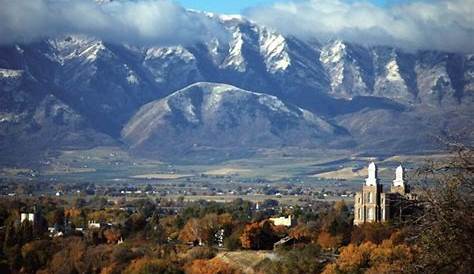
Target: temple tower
x=373, y=205
x=399, y=185
x=367, y=202
x=372, y=179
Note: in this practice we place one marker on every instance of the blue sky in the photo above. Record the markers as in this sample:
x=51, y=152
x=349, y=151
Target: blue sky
x=222, y=6
x=236, y=6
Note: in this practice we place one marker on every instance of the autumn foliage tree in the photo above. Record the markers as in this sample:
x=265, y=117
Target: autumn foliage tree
x=135, y=223
x=36, y=254
x=171, y=226
x=69, y=258
x=371, y=232
x=337, y=222
x=213, y=266
x=258, y=236
x=328, y=241
x=151, y=266
x=303, y=233
x=250, y=238
x=192, y=231
x=112, y=235
x=444, y=232
x=204, y=229
x=373, y=259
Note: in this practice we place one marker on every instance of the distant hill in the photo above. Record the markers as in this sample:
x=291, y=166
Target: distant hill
x=223, y=116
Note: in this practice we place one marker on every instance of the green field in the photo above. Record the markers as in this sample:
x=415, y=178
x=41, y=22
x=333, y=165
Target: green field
x=288, y=165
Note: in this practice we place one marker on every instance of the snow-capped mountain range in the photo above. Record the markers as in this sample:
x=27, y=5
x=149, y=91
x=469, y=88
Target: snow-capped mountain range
x=77, y=91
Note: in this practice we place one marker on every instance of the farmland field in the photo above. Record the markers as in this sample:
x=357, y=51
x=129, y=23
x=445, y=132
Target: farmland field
x=289, y=165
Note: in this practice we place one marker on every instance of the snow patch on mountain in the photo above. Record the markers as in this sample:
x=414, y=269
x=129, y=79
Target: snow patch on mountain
x=93, y=51
x=334, y=53
x=10, y=73
x=132, y=78
x=185, y=105
x=10, y=79
x=235, y=60
x=171, y=65
x=231, y=17
x=215, y=95
x=390, y=81
x=273, y=47
x=344, y=70
x=332, y=57
x=273, y=103
x=156, y=52
x=9, y=118
x=393, y=72
x=434, y=82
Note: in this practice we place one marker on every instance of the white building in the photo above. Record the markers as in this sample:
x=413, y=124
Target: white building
x=372, y=204
x=284, y=221
x=27, y=217
x=93, y=224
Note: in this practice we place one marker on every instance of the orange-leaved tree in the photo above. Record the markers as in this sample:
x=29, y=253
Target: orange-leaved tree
x=371, y=258
x=258, y=236
x=212, y=266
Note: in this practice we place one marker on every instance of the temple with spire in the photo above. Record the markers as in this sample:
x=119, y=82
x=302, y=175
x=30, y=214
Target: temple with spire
x=373, y=205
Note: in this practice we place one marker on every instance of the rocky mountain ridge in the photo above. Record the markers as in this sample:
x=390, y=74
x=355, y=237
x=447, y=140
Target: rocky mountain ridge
x=103, y=85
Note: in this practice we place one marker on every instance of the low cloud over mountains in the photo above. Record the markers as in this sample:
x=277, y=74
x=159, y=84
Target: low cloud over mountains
x=446, y=25
x=141, y=22
x=440, y=25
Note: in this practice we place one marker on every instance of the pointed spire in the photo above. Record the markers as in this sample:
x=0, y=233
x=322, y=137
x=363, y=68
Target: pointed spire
x=399, y=176
x=372, y=179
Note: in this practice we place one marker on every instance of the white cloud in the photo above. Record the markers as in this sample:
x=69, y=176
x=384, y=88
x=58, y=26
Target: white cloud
x=160, y=22
x=439, y=24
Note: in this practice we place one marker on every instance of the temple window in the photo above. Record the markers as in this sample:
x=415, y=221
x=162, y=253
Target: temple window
x=371, y=214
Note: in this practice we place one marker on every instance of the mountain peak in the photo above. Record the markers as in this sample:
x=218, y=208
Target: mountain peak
x=219, y=115
x=212, y=85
